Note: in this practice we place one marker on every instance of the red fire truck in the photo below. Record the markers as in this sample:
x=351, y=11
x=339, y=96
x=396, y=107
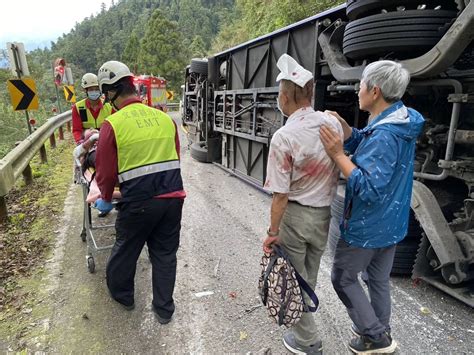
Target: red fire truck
x=152, y=90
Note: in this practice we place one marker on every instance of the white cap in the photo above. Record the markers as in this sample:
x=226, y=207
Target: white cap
x=291, y=70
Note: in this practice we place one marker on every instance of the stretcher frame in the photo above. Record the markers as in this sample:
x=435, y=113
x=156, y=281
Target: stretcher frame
x=88, y=227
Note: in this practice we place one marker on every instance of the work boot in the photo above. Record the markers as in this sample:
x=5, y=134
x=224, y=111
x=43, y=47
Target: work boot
x=290, y=343
x=366, y=344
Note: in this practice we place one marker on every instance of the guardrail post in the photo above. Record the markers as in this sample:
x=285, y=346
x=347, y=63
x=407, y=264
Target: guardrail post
x=17, y=162
x=3, y=209
x=44, y=158
x=27, y=175
x=61, y=133
x=52, y=140
x=68, y=125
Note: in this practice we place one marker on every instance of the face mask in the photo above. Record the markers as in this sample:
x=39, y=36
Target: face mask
x=93, y=95
x=111, y=100
x=279, y=107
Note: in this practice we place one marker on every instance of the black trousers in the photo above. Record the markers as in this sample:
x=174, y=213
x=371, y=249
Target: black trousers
x=156, y=222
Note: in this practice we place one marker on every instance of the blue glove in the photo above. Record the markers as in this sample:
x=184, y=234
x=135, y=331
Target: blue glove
x=103, y=206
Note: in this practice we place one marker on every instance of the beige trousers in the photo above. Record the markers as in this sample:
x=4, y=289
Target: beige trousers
x=303, y=235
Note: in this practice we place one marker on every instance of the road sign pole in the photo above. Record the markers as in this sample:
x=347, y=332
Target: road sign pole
x=57, y=96
x=18, y=70
x=28, y=122
x=57, y=93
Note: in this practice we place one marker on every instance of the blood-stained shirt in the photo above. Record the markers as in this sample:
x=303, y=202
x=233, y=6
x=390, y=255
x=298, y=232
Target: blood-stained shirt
x=298, y=164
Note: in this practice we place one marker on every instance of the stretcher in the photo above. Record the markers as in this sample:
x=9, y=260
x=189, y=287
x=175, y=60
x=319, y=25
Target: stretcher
x=91, y=193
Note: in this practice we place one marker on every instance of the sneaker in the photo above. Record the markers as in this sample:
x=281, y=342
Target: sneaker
x=366, y=344
x=355, y=330
x=358, y=333
x=290, y=343
x=160, y=319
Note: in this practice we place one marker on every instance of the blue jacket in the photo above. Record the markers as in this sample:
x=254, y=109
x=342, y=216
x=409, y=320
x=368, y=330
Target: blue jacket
x=378, y=191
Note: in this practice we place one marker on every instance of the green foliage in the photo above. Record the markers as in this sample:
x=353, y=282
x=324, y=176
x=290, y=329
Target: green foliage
x=258, y=17
x=131, y=52
x=120, y=34
x=264, y=16
x=197, y=47
x=161, y=49
x=233, y=32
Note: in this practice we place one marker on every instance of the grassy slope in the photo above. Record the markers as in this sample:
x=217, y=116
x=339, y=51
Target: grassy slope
x=25, y=243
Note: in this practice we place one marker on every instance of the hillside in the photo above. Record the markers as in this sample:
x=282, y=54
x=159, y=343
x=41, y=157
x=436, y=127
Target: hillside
x=152, y=37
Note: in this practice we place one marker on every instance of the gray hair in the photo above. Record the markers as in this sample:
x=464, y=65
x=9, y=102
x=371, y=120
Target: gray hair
x=389, y=76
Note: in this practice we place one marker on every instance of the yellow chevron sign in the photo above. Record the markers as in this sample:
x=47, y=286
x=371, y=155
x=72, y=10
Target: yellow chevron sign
x=23, y=94
x=69, y=93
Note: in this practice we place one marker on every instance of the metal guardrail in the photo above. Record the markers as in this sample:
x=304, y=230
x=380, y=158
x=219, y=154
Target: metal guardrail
x=17, y=161
x=172, y=106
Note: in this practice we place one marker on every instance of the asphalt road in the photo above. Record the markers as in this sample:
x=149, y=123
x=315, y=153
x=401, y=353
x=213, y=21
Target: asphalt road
x=223, y=225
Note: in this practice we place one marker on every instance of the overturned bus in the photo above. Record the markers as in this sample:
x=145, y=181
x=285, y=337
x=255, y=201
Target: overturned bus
x=230, y=111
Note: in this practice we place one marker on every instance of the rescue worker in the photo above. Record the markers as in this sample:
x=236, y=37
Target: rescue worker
x=90, y=112
x=139, y=148
x=303, y=179
x=377, y=203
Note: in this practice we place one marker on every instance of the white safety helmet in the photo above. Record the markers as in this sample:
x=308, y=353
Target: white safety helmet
x=89, y=80
x=112, y=71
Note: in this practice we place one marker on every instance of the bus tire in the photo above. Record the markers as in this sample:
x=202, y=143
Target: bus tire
x=402, y=34
x=199, y=66
x=199, y=152
x=356, y=9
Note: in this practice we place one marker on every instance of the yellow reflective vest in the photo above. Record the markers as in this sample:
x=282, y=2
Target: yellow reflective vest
x=88, y=120
x=146, y=145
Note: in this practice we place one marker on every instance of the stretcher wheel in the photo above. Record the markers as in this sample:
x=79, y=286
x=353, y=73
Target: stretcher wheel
x=91, y=264
x=83, y=235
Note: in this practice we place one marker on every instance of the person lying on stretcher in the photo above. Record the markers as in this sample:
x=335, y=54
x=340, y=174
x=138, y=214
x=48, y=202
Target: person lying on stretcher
x=84, y=157
x=84, y=153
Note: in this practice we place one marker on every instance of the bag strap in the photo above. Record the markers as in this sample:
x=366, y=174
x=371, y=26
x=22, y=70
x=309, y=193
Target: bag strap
x=269, y=268
x=309, y=291
x=302, y=282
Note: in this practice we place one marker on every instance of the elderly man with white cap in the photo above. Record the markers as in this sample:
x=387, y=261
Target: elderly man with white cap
x=303, y=179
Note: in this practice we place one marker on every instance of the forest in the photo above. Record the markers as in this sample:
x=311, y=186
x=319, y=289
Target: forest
x=156, y=37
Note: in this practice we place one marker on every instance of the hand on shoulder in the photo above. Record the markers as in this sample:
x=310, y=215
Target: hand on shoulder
x=346, y=130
